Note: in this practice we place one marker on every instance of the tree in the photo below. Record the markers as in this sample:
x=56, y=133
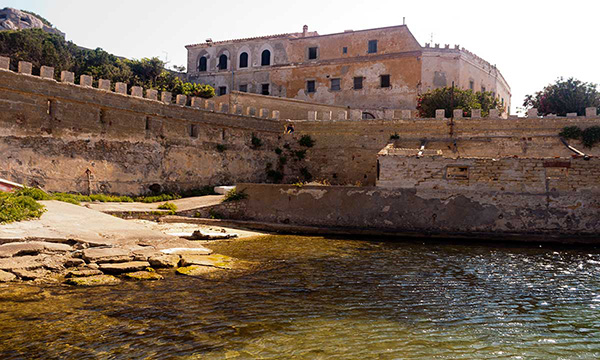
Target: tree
x=564, y=96
x=449, y=99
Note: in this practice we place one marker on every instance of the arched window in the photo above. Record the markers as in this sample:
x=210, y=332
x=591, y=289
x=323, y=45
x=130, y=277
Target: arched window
x=265, y=58
x=202, y=64
x=223, y=62
x=244, y=60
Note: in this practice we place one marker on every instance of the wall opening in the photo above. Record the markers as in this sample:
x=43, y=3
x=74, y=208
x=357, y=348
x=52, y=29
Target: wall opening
x=312, y=53
x=222, y=62
x=358, y=83
x=265, y=58
x=265, y=89
x=385, y=81
x=203, y=64
x=244, y=60
x=310, y=86
x=457, y=173
x=336, y=84
x=372, y=46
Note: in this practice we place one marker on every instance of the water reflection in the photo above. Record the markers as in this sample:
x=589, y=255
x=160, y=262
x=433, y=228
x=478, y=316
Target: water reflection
x=328, y=299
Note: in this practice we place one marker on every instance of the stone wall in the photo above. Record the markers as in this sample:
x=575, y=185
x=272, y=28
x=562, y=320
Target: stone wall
x=531, y=215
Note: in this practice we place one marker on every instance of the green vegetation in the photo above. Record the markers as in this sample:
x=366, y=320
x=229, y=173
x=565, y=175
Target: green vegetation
x=42, y=19
x=19, y=206
x=282, y=160
x=278, y=151
x=41, y=48
x=564, y=96
x=589, y=137
x=306, y=174
x=221, y=147
x=300, y=154
x=212, y=214
x=275, y=176
x=234, y=195
x=169, y=206
x=256, y=142
x=306, y=141
x=449, y=99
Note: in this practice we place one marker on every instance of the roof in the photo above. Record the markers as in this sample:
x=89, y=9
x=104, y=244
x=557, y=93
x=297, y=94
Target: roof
x=275, y=36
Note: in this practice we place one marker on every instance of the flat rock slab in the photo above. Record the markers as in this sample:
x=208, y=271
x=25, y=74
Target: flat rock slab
x=5, y=276
x=63, y=222
x=83, y=273
x=31, y=274
x=107, y=255
x=32, y=262
x=188, y=251
x=97, y=280
x=32, y=248
x=143, y=275
x=164, y=260
x=184, y=204
x=125, y=267
x=215, y=260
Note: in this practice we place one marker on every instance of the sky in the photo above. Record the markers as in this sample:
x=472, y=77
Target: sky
x=531, y=42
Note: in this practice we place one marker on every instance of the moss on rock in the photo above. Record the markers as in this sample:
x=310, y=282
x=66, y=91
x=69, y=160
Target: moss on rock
x=96, y=280
x=143, y=275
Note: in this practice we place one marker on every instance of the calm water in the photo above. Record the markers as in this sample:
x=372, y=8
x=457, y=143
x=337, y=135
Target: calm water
x=328, y=299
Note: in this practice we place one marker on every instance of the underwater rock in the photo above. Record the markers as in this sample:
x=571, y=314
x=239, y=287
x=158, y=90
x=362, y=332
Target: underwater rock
x=119, y=268
x=96, y=280
x=143, y=275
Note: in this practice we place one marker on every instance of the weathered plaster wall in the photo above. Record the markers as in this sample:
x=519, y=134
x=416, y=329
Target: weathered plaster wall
x=530, y=214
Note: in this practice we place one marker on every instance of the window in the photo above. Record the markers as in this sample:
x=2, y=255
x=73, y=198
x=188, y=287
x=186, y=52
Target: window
x=244, y=88
x=336, y=84
x=471, y=84
x=244, y=60
x=193, y=131
x=312, y=53
x=372, y=46
x=202, y=64
x=385, y=81
x=344, y=50
x=310, y=86
x=265, y=58
x=358, y=82
x=482, y=88
x=222, y=90
x=265, y=87
x=223, y=62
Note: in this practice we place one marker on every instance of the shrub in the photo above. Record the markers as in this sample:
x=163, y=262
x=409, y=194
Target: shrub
x=300, y=154
x=169, y=206
x=18, y=207
x=395, y=136
x=256, y=142
x=234, y=195
x=306, y=174
x=590, y=136
x=221, y=147
x=564, y=96
x=275, y=176
x=214, y=214
x=449, y=99
x=282, y=160
x=278, y=151
x=306, y=141
x=571, y=132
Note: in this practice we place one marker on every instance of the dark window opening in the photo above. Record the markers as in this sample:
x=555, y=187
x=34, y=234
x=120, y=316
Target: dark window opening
x=244, y=60
x=265, y=88
x=385, y=81
x=472, y=85
x=336, y=84
x=193, y=131
x=358, y=82
x=483, y=89
x=265, y=58
x=372, y=46
x=223, y=62
x=367, y=115
x=312, y=53
x=310, y=86
x=222, y=90
x=147, y=123
x=344, y=50
x=244, y=88
x=202, y=64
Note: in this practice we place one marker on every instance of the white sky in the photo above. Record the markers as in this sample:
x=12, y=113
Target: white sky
x=531, y=42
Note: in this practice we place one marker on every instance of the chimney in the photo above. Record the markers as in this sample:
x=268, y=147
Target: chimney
x=304, y=30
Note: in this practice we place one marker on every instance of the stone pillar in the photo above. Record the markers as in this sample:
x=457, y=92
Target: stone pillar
x=591, y=112
x=312, y=115
x=4, y=63
x=121, y=88
x=197, y=102
x=47, y=72
x=250, y=111
x=355, y=115
x=86, y=80
x=326, y=115
x=457, y=113
x=166, y=97
x=25, y=67
x=137, y=91
x=475, y=113
x=210, y=105
x=440, y=114
x=342, y=115
x=571, y=115
x=532, y=113
x=151, y=94
x=224, y=108
x=388, y=114
x=494, y=114
x=104, y=84
x=275, y=115
x=67, y=77
x=181, y=100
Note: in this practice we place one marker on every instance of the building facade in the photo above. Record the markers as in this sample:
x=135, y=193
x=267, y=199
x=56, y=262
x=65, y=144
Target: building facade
x=383, y=68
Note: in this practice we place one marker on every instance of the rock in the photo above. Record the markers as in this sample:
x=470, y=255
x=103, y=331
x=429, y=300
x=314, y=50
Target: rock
x=93, y=266
x=143, y=275
x=107, y=255
x=145, y=253
x=74, y=262
x=164, y=261
x=206, y=272
x=215, y=260
x=83, y=273
x=119, y=268
x=22, y=262
x=96, y=280
x=188, y=251
x=31, y=248
x=31, y=274
x=6, y=276
x=199, y=235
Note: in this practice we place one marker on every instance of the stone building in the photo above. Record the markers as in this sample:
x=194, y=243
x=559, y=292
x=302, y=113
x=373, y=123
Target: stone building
x=383, y=68
x=13, y=19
